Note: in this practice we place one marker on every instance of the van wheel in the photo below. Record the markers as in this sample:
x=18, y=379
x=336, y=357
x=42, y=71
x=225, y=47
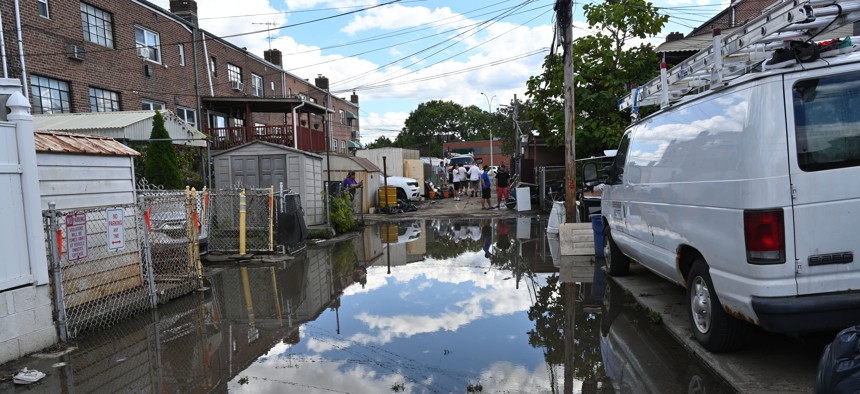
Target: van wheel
x=617, y=264
x=716, y=330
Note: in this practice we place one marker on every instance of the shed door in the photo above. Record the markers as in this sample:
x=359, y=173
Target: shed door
x=245, y=171
x=273, y=170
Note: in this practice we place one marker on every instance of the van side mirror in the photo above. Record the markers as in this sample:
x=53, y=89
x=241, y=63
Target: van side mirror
x=614, y=174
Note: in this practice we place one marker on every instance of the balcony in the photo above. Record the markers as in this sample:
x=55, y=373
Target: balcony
x=228, y=137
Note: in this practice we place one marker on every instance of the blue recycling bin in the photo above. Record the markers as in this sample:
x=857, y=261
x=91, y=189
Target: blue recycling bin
x=597, y=226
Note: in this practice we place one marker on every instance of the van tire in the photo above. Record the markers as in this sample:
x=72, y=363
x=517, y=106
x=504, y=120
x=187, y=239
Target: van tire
x=617, y=264
x=712, y=327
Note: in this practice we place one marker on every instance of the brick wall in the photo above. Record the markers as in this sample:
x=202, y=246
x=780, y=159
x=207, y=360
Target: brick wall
x=118, y=68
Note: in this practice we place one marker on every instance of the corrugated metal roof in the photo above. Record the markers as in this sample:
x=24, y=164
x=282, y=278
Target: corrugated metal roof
x=126, y=125
x=367, y=165
x=56, y=142
x=89, y=120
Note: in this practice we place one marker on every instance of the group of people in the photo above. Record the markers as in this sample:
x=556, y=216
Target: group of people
x=474, y=181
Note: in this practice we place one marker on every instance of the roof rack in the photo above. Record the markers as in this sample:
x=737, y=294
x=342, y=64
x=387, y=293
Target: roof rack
x=743, y=49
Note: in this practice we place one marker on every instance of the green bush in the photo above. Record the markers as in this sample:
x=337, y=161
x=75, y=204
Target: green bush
x=342, y=218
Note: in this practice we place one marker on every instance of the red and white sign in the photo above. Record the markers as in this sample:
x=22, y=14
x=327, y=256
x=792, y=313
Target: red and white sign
x=116, y=230
x=76, y=235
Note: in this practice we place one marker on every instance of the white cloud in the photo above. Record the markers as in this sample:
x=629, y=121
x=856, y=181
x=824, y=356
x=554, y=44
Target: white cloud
x=396, y=16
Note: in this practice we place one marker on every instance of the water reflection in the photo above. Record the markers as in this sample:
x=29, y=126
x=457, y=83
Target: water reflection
x=416, y=306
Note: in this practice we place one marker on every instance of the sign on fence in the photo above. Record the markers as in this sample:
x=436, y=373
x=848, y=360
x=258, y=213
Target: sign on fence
x=116, y=230
x=76, y=234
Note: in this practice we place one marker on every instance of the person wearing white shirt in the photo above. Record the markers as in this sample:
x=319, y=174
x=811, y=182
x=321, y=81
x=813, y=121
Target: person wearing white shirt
x=474, y=178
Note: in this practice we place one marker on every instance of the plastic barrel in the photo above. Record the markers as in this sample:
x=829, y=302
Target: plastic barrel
x=597, y=226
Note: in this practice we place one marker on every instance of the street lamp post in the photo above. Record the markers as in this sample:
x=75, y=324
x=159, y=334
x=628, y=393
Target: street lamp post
x=490, y=109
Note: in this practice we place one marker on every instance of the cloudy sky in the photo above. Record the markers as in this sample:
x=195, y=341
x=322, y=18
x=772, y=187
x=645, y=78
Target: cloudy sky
x=397, y=54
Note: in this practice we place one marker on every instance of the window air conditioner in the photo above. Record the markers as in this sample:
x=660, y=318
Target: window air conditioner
x=75, y=51
x=236, y=85
x=143, y=52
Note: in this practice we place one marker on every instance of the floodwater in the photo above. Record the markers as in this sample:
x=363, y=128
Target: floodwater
x=435, y=306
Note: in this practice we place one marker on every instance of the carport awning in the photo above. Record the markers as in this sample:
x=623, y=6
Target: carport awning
x=350, y=115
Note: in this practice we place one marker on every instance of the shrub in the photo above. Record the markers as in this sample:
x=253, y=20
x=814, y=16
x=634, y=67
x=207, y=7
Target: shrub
x=162, y=165
x=342, y=218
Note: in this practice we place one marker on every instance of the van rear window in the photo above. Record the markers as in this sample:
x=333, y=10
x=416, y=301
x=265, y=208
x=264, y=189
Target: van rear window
x=827, y=122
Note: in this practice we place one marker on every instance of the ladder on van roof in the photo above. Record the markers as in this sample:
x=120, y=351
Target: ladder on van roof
x=743, y=49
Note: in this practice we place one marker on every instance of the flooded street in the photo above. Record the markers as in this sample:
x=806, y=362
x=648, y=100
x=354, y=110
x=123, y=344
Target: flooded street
x=433, y=306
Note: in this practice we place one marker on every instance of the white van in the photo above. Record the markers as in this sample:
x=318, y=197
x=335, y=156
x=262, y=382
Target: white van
x=749, y=196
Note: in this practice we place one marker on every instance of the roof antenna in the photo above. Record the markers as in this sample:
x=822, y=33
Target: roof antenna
x=269, y=30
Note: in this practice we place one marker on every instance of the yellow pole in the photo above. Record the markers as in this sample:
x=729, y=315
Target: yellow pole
x=277, y=297
x=242, y=222
x=271, y=219
x=249, y=302
x=195, y=232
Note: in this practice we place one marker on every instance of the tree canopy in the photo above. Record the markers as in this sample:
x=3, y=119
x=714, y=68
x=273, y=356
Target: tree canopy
x=606, y=64
x=436, y=121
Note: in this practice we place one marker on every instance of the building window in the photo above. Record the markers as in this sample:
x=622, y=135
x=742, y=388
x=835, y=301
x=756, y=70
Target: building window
x=213, y=66
x=343, y=146
x=148, y=39
x=342, y=117
x=50, y=96
x=260, y=128
x=181, y=54
x=43, y=8
x=97, y=25
x=257, y=85
x=151, y=105
x=188, y=115
x=334, y=145
x=234, y=73
x=102, y=100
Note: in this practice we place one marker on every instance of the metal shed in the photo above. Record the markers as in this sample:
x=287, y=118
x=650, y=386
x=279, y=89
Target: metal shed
x=395, y=159
x=82, y=171
x=121, y=125
x=261, y=164
x=365, y=171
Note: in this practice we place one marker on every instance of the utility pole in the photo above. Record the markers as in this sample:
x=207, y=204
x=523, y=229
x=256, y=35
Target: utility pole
x=564, y=15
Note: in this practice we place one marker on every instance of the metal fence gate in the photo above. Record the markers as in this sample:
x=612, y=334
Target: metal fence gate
x=227, y=208
x=108, y=263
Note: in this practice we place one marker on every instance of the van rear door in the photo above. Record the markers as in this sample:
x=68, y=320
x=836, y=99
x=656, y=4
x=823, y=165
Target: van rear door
x=823, y=117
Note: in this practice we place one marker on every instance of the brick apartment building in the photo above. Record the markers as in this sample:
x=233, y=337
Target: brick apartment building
x=117, y=55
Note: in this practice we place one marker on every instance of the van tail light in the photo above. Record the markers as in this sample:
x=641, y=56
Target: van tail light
x=764, y=233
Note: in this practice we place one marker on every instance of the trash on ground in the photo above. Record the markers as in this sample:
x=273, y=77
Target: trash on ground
x=28, y=376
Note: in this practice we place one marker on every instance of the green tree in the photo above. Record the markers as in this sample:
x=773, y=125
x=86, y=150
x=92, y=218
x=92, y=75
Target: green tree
x=606, y=64
x=162, y=165
x=381, y=142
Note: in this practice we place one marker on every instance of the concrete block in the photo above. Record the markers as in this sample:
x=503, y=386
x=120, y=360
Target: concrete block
x=8, y=302
x=24, y=299
x=37, y=340
x=572, y=236
x=9, y=351
x=4, y=309
x=15, y=325
x=43, y=316
x=43, y=295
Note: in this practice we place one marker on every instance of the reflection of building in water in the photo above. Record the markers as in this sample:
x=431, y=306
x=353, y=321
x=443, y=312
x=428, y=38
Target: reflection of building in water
x=198, y=343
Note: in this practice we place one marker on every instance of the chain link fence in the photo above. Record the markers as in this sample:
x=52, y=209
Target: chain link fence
x=108, y=263
x=226, y=214
x=97, y=268
x=173, y=233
